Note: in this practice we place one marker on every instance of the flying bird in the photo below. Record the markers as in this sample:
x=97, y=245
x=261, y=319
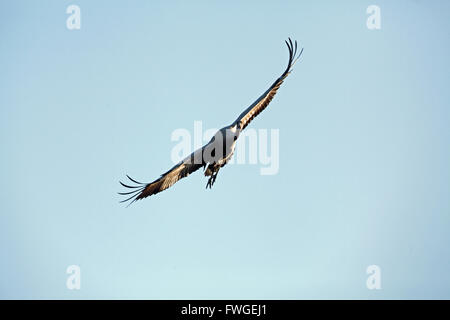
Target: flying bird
x=218, y=151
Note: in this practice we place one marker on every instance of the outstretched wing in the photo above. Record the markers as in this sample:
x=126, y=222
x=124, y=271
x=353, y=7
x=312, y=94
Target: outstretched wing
x=143, y=190
x=263, y=101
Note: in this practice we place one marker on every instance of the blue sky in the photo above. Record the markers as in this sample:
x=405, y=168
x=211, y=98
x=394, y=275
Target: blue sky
x=364, y=150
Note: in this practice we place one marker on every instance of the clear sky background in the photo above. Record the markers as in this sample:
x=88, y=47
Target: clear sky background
x=364, y=150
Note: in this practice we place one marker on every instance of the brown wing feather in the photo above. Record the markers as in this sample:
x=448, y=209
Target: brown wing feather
x=143, y=190
x=263, y=101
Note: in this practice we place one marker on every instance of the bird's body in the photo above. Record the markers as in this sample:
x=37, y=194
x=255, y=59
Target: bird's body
x=218, y=151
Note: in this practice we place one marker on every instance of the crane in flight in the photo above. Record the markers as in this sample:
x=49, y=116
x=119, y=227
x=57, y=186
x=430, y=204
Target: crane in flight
x=218, y=151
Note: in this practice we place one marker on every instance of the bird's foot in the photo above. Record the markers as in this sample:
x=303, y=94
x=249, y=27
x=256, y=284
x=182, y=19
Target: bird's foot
x=211, y=180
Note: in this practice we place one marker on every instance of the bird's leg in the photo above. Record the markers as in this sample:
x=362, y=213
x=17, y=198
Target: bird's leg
x=212, y=179
x=208, y=184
